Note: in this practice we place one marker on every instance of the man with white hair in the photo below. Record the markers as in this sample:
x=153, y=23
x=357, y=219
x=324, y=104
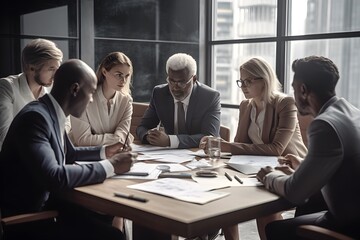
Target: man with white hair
x=186, y=109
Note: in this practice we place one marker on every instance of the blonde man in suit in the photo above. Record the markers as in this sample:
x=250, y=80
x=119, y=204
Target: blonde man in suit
x=268, y=123
x=40, y=60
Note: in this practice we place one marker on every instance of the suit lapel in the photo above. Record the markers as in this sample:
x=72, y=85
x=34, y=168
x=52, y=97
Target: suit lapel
x=192, y=107
x=169, y=110
x=46, y=100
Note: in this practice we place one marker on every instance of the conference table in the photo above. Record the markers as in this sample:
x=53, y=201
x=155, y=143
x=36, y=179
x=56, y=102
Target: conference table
x=164, y=217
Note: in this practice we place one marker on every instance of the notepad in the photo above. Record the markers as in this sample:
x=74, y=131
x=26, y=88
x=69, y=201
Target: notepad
x=244, y=168
x=251, y=164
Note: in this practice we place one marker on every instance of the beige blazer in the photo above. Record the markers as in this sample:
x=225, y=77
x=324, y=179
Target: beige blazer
x=97, y=127
x=281, y=132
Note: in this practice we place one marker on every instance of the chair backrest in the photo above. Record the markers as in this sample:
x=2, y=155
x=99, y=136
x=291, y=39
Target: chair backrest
x=225, y=133
x=138, y=112
x=312, y=232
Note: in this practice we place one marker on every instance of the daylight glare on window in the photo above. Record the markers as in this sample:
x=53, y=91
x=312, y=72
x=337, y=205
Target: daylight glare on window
x=242, y=29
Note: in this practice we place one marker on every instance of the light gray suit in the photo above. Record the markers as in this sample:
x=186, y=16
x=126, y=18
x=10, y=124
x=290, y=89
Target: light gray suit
x=332, y=165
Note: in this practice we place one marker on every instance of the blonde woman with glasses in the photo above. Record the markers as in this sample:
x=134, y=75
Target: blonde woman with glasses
x=268, y=123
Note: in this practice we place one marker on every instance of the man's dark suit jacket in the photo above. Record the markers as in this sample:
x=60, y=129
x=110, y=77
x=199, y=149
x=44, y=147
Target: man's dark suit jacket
x=202, y=118
x=32, y=160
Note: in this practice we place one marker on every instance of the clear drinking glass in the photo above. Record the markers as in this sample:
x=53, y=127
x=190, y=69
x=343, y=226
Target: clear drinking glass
x=214, y=148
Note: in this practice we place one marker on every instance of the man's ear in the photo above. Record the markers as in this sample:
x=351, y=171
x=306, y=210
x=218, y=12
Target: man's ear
x=194, y=78
x=74, y=89
x=304, y=90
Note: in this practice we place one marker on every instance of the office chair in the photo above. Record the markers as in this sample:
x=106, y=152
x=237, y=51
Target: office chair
x=312, y=232
x=225, y=133
x=13, y=221
x=138, y=112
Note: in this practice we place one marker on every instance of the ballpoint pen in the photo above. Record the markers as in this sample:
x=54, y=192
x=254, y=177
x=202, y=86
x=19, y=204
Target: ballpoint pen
x=130, y=196
x=238, y=179
x=159, y=126
x=127, y=136
x=228, y=176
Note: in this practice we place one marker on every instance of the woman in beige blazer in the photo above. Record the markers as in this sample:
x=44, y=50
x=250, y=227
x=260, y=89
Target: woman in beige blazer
x=268, y=124
x=107, y=118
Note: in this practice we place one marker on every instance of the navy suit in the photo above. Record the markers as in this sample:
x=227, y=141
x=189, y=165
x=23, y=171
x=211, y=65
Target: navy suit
x=32, y=160
x=203, y=114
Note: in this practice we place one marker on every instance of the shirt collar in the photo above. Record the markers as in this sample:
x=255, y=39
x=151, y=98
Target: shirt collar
x=102, y=97
x=327, y=104
x=187, y=99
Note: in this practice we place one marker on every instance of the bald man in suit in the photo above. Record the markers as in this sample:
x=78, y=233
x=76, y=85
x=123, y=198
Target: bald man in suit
x=37, y=158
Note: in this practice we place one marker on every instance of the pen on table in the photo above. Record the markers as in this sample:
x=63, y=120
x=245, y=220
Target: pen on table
x=126, y=139
x=130, y=196
x=228, y=176
x=144, y=174
x=238, y=179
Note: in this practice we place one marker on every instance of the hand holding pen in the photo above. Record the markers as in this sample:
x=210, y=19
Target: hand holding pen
x=158, y=137
x=124, y=147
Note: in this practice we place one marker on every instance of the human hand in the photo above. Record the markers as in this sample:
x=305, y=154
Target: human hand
x=203, y=143
x=115, y=148
x=285, y=169
x=291, y=161
x=122, y=162
x=263, y=172
x=158, y=138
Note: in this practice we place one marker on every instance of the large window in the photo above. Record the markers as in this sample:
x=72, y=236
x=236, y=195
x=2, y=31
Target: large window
x=282, y=31
x=148, y=31
x=22, y=21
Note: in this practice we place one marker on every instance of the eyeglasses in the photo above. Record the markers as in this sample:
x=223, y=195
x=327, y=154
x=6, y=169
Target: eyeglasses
x=247, y=82
x=181, y=84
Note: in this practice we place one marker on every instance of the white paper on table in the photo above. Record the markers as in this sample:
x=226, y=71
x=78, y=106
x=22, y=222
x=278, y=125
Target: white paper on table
x=174, y=167
x=179, y=189
x=146, y=147
x=222, y=182
x=171, y=158
x=163, y=154
x=201, y=163
x=153, y=173
x=151, y=169
x=201, y=153
x=145, y=157
x=255, y=160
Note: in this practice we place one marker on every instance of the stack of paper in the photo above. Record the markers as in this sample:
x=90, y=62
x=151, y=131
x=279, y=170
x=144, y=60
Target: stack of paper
x=180, y=189
x=162, y=154
x=149, y=171
x=251, y=164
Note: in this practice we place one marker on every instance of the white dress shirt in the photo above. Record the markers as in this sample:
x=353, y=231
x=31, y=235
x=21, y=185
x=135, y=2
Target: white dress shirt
x=257, y=124
x=98, y=126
